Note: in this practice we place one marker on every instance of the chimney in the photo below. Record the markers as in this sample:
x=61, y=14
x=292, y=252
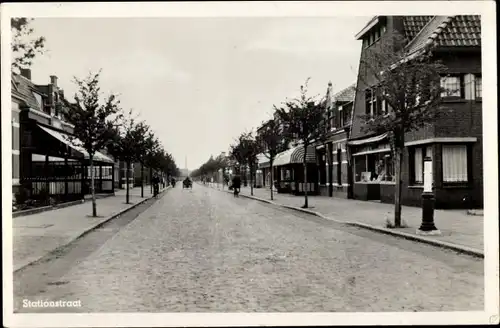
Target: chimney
x=53, y=80
x=26, y=72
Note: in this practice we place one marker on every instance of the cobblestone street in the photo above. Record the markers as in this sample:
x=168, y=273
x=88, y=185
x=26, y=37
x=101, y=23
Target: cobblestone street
x=203, y=250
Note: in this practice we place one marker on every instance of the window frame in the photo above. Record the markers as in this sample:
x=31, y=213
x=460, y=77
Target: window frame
x=461, y=81
x=412, y=150
x=468, y=154
x=369, y=103
x=476, y=76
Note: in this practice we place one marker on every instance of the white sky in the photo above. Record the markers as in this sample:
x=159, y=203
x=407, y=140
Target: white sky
x=200, y=82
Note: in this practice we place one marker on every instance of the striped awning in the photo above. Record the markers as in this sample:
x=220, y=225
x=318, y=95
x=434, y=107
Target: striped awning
x=98, y=156
x=296, y=156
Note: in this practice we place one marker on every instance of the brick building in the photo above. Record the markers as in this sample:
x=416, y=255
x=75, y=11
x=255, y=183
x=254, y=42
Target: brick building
x=454, y=142
x=331, y=153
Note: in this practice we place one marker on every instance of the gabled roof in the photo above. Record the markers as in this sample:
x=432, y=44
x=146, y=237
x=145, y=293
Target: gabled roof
x=346, y=95
x=25, y=89
x=443, y=31
x=448, y=31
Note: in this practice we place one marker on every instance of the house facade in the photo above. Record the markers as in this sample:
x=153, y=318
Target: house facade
x=45, y=163
x=453, y=142
x=331, y=152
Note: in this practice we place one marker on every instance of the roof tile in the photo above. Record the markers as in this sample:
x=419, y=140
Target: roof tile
x=347, y=94
x=448, y=31
x=463, y=30
x=25, y=88
x=413, y=24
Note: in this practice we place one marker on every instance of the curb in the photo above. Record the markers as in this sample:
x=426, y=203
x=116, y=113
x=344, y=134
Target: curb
x=97, y=226
x=55, y=207
x=438, y=243
x=424, y=240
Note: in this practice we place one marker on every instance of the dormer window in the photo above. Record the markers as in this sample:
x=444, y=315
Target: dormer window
x=38, y=99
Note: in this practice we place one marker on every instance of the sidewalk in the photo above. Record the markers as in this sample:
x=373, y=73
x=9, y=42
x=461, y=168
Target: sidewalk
x=36, y=235
x=457, y=228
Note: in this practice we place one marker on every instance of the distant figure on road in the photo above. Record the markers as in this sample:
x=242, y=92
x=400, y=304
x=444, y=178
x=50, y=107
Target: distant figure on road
x=236, y=185
x=156, y=185
x=173, y=182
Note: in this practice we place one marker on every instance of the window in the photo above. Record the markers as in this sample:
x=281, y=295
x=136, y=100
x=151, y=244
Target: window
x=346, y=116
x=455, y=163
x=418, y=166
x=385, y=105
x=369, y=102
x=417, y=163
x=453, y=86
x=478, y=86
x=360, y=169
x=39, y=99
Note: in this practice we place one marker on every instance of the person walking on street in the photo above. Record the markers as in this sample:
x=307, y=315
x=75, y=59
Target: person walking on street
x=236, y=185
x=156, y=186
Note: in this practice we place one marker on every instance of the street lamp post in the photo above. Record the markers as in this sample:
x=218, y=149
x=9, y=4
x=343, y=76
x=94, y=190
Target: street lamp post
x=428, y=202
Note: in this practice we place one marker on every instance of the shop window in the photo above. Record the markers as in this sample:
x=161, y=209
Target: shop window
x=360, y=169
x=453, y=86
x=455, y=168
x=478, y=87
x=374, y=168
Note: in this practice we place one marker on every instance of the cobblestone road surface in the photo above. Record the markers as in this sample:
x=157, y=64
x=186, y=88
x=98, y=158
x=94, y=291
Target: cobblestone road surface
x=205, y=251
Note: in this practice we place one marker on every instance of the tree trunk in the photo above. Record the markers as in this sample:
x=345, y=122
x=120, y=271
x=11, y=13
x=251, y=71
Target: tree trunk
x=306, y=203
x=272, y=177
x=251, y=180
x=399, y=148
x=127, y=197
x=151, y=179
x=92, y=189
x=142, y=180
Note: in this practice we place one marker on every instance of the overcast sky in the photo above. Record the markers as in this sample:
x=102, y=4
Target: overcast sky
x=200, y=82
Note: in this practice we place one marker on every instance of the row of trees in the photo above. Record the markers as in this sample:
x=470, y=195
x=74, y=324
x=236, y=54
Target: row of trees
x=300, y=119
x=98, y=123
x=408, y=83
x=101, y=124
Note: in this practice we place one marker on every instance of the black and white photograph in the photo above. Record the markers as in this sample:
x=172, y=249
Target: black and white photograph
x=249, y=163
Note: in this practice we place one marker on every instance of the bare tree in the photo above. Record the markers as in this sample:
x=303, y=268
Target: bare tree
x=303, y=118
x=410, y=86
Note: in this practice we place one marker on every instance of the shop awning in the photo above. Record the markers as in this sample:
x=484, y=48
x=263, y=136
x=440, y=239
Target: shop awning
x=64, y=138
x=263, y=161
x=41, y=158
x=367, y=140
x=295, y=156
